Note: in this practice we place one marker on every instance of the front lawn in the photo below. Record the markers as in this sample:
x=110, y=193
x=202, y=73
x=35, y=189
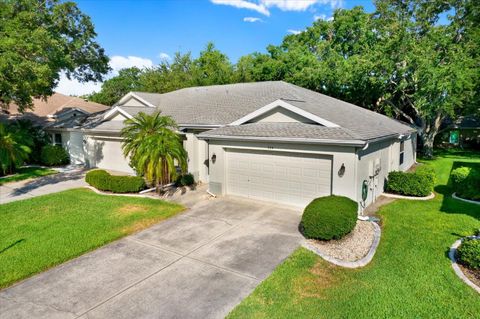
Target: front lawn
x=27, y=173
x=409, y=277
x=38, y=233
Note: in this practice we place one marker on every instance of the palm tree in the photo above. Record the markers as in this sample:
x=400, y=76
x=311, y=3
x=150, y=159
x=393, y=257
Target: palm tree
x=154, y=147
x=14, y=148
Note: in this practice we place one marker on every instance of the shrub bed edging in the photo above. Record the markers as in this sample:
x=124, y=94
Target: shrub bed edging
x=350, y=264
x=432, y=195
x=456, y=268
x=454, y=195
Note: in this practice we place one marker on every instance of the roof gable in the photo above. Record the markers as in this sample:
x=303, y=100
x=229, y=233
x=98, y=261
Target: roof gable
x=280, y=104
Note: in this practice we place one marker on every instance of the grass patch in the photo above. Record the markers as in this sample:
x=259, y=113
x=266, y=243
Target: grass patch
x=409, y=277
x=38, y=233
x=24, y=173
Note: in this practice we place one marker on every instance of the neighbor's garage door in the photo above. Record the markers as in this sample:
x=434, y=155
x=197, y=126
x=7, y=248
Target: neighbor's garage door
x=109, y=156
x=290, y=178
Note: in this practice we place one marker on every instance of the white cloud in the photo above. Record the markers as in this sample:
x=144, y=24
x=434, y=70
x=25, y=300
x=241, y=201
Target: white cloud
x=164, y=56
x=243, y=4
x=322, y=17
x=294, y=31
x=117, y=62
x=252, y=19
x=289, y=5
x=74, y=87
x=262, y=6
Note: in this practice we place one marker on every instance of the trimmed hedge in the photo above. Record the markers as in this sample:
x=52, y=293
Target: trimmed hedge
x=466, y=182
x=52, y=155
x=419, y=183
x=330, y=217
x=185, y=180
x=102, y=180
x=469, y=253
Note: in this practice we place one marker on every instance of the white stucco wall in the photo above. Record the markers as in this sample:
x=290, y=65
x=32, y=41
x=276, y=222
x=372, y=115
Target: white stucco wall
x=197, y=157
x=386, y=154
x=76, y=148
x=341, y=185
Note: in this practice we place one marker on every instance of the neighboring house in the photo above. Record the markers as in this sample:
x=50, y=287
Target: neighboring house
x=464, y=133
x=271, y=141
x=55, y=111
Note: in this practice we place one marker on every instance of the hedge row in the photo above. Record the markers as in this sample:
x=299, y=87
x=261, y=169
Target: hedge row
x=466, y=182
x=102, y=180
x=53, y=155
x=330, y=217
x=419, y=183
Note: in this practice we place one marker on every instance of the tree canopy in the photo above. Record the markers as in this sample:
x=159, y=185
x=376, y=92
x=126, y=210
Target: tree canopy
x=415, y=60
x=38, y=41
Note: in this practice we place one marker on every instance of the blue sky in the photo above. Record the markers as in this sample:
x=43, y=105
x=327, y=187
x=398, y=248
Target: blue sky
x=141, y=33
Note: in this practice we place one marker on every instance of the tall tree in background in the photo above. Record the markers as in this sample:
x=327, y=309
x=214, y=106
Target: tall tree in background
x=115, y=88
x=400, y=60
x=40, y=39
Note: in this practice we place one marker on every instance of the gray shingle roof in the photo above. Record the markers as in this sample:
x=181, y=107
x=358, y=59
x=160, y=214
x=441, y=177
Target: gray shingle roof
x=283, y=130
x=223, y=104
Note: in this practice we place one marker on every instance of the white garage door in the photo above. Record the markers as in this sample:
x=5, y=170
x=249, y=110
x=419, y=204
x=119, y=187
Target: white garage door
x=109, y=155
x=290, y=178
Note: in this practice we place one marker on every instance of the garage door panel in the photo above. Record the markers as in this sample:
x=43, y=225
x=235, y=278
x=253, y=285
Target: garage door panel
x=291, y=178
x=110, y=156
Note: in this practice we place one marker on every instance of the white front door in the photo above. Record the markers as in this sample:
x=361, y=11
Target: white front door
x=290, y=178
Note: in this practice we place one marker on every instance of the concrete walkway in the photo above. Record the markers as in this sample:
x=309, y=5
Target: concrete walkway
x=42, y=185
x=199, y=264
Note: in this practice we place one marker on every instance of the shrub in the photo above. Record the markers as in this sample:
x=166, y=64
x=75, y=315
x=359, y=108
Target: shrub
x=469, y=253
x=419, y=183
x=52, y=155
x=185, y=180
x=102, y=180
x=330, y=217
x=466, y=182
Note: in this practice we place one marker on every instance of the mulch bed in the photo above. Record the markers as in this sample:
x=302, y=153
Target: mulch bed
x=352, y=247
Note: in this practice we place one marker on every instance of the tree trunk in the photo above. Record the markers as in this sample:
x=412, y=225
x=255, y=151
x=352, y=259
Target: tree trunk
x=429, y=133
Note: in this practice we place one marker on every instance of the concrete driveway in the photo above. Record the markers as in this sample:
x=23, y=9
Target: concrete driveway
x=42, y=185
x=199, y=264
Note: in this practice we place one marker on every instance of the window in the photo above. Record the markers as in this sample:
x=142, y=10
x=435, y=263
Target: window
x=57, y=139
x=402, y=152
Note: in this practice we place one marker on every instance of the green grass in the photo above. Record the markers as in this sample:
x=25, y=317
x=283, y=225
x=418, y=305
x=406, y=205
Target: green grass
x=42, y=232
x=409, y=277
x=27, y=173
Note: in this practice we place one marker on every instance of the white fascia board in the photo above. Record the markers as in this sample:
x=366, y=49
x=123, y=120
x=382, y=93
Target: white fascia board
x=135, y=96
x=284, y=139
x=287, y=106
x=115, y=111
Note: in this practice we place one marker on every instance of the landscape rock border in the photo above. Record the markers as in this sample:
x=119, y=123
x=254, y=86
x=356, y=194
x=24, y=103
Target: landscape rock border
x=456, y=268
x=121, y=194
x=350, y=264
x=454, y=195
x=431, y=196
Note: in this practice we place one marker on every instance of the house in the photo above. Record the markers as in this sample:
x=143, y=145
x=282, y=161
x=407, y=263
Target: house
x=464, y=132
x=271, y=141
x=55, y=111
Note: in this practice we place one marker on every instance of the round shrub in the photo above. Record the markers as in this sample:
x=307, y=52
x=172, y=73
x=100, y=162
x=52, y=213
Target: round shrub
x=185, y=180
x=469, y=253
x=102, y=180
x=52, y=155
x=330, y=217
x=466, y=182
